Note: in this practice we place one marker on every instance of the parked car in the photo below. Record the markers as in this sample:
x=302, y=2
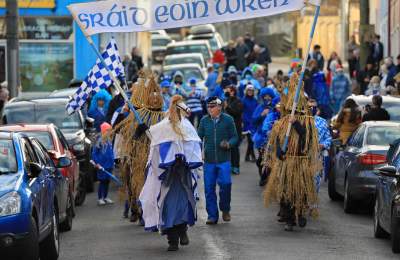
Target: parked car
x=78, y=132
x=177, y=59
x=387, y=202
x=30, y=206
x=390, y=103
x=198, y=46
x=159, y=46
x=190, y=70
x=57, y=146
x=159, y=32
x=354, y=172
x=207, y=32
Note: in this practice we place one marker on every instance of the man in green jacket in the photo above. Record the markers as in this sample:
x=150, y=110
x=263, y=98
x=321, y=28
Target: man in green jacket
x=218, y=132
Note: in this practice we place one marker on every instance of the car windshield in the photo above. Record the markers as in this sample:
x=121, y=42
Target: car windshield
x=213, y=43
x=187, y=73
x=192, y=48
x=391, y=107
x=382, y=135
x=183, y=60
x=44, y=138
x=57, y=115
x=43, y=114
x=160, y=42
x=8, y=161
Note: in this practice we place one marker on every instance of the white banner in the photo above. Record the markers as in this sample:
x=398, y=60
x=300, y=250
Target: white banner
x=147, y=15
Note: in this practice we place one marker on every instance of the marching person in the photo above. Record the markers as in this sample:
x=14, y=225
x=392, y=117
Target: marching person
x=297, y=164
x=103, y=156
x=218, y=132
x=249, y=106
x=165, y=86
x=99, y=107
x=234, y=107
x=167, y=198
x=193, y=101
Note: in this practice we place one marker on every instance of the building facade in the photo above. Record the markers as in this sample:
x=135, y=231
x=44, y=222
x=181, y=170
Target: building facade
x=53, y=50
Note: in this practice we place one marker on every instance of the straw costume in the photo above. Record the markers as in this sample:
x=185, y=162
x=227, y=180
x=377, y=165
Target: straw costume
x=292, y=172
x=167, y=197
x=146, y=97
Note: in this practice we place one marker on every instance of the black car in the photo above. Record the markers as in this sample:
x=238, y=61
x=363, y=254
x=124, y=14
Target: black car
x=387, y=201
x=77, y=130
x=353, y=175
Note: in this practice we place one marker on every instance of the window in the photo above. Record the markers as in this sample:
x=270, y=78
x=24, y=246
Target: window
x=44, y=138
x=357, y=138
x=60, y=136
x=39, y=153
x=29, y=155
x=8, y=162
x=382, y=136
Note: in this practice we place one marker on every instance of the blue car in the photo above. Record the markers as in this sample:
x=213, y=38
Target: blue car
x=29, y=203
x=387, y=201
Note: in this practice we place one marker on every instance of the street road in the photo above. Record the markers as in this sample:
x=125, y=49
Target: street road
x=101, y=232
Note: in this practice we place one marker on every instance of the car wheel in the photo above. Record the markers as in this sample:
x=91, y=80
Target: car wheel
x=379, y=232
x=348, y=203
x=31, y=248
x=67, y=224
x=395, y=233
x=333, y=195
x=81, y=194
x=50, y=246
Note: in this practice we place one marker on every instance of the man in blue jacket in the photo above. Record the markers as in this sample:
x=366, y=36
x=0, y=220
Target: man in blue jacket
x=218, y=132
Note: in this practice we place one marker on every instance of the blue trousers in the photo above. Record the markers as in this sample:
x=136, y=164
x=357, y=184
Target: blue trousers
x=103, y=189
x=217, y=173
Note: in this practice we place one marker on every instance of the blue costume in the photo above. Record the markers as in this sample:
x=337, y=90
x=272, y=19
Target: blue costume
x=103, y=154
x=211, y=81
x=339, y=91
x=249, y=106
x=320, y=93
x=166, y=96
x=247, y=78
x=258, y=118
x=325, y=139
x=269, y=121
x=97, y=113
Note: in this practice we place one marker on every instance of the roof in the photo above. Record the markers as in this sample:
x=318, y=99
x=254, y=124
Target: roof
x=65, y=92
x=183, y=43
x=182, y=66
x=201, y=29
x=184, y=55
x=39, y=102
x=363, y=98
x=26, y=127
x=381, y=123
x=5, y=134
x=160, y=36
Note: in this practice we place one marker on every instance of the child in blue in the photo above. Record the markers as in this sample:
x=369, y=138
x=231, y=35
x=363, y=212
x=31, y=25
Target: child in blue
x=103, y=156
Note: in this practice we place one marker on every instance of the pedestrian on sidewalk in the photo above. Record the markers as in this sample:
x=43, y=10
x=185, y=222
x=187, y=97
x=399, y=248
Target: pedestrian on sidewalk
x=339, y=90
x=218, y=132
x=167, y=198
x=230, y=54
x=242, y=52
x=317, y=55
x=103, y=156
x=234, y=107
x=249, y=106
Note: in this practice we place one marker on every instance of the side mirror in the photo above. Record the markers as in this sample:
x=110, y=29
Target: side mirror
x=389, y=171
x=64, y=162
x=89, y=122
x=34, y=169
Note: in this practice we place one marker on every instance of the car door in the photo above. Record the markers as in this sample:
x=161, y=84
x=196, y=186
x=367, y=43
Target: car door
x=36, y=185
x=387, y=189
x=354, y=151
x=345, y=157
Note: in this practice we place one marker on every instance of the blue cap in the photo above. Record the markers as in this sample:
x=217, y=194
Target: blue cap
x=165, y=84
x=192, y=81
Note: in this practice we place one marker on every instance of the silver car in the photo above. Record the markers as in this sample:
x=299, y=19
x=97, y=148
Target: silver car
x=354, y=172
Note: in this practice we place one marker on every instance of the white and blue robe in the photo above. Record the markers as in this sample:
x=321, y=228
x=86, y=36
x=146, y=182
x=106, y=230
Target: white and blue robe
x=168, y=195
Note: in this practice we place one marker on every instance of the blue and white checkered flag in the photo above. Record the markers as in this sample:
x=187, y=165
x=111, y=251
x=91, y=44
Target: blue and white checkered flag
x=98, y=77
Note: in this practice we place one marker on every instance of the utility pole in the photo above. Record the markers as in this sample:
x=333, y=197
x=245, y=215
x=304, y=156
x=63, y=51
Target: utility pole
x=364, y=32
x=12, y=47
x=344, y=27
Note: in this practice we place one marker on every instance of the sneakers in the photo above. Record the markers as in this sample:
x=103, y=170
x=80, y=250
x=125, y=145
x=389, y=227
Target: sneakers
x=108, y=201
x=235, y=170
x=101, y=202
x=226, y=216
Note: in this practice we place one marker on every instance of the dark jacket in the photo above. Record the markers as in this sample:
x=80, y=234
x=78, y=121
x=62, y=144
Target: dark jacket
x=235, y=109
x=115, y=103
x=264, y=57
x=213, y=132
x=138, y=60
x=376, y=114
x=231, y=57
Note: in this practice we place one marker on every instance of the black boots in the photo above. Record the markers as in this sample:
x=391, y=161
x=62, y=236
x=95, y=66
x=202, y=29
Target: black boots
x=175, y=235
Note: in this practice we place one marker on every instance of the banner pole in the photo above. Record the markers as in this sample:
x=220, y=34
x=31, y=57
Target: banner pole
x=303, y=68
x=113, y=78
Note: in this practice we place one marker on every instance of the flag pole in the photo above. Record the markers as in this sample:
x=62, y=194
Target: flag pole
x=303, y=68
x=113, y=78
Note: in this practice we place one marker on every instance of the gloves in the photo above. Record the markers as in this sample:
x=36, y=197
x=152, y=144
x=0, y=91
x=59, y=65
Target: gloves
x=224, y=145
x=140, y=130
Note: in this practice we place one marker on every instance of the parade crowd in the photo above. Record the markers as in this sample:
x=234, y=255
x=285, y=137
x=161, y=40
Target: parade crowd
x=187, y=131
